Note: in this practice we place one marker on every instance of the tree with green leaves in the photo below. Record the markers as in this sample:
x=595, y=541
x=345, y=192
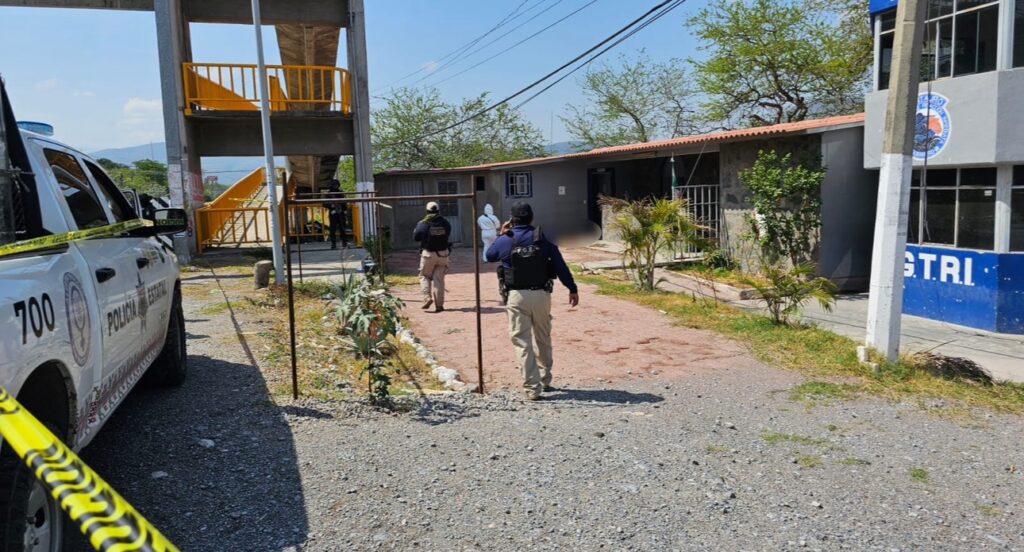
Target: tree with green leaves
x=400, y=132
x=637, y=101
x=780, y=61
x=144, y=176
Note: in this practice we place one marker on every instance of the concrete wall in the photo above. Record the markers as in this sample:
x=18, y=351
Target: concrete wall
x=848, y=198
x=986, y=122
x=559, y=196
x=401, y=219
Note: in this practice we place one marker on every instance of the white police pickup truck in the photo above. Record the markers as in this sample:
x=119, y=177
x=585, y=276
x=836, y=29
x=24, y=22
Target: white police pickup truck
x=81, y=320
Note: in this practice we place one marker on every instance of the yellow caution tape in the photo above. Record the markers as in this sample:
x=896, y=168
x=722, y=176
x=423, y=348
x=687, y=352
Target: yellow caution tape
x=106, y=519
x=46, y=242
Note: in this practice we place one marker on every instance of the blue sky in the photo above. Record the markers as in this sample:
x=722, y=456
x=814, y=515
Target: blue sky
x=93, y=74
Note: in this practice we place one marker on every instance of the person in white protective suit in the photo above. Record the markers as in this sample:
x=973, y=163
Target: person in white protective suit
x=489, y=225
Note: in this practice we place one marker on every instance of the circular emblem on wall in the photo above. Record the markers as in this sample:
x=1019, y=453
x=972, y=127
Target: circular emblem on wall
x=932, y=125
x=78, y=318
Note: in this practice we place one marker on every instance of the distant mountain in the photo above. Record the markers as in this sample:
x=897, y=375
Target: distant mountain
x=226, y=169
x=561, y=148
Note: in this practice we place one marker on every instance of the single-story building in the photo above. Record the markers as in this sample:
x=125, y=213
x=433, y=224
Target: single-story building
x=564, y=189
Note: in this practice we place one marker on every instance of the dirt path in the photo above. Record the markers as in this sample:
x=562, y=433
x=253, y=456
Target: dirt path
x=601, y=341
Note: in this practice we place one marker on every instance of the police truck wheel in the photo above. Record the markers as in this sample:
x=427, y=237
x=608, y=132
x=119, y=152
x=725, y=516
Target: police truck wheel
x=30, y=519
x=170, y=367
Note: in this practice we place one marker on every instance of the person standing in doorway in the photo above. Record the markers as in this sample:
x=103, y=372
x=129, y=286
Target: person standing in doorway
x=337, y=214
x=530, y=263
x=434, y=234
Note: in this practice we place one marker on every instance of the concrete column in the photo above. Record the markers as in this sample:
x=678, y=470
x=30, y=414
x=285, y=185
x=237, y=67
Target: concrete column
x=1004, y=187
x=1004, y=49
x=184, y=174
x=355, y=36
x=885, y=299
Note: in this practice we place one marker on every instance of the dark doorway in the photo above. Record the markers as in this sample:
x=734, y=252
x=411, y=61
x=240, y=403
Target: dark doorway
x=600, y=182
x=480, y=183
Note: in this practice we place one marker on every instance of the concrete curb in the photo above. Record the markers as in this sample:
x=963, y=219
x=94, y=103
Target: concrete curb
x=447, y=376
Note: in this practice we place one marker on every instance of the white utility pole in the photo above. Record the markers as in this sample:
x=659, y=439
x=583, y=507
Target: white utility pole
x=268, y=144
x=885, y=299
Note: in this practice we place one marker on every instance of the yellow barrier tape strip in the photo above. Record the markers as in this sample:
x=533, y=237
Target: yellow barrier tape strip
x=106, y=519
x=46, y=242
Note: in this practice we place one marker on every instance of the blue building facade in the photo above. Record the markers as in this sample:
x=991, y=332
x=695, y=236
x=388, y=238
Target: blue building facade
x=965, y=228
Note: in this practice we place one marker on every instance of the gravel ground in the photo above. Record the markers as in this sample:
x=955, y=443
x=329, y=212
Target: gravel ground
x=718, y=460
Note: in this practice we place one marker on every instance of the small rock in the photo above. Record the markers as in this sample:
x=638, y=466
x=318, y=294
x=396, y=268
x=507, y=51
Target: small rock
x=598, y=434
x=206, y=443
x=816, y=504
x=158, y=474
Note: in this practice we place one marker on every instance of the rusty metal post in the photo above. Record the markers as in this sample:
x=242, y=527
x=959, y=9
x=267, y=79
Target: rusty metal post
x=291, y=296
x=380, y=243
x=298, y=245
x=476, y=276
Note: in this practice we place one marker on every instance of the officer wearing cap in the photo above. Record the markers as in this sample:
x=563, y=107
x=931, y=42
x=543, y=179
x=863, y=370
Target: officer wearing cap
x=530, y=263
x=434, y=234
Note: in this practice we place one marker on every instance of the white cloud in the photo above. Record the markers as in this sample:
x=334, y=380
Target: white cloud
x=48, y=84
x=430, y=66
x=142, y=120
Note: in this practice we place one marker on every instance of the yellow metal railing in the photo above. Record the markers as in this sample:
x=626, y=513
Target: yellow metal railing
x=234, y=226
x=235, y=87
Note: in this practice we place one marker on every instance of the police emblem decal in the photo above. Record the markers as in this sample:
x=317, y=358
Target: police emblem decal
x=77, y=311
x=932, y=125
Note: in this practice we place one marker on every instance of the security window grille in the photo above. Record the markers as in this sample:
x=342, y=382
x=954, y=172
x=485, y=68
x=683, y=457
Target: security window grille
x=959, y=39
x=519, y=184
x=1017, y=210
x=449, y=207
x=409, y=188
x=955, y=207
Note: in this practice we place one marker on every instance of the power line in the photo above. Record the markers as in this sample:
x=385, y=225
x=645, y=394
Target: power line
x=675, y=4
x=537, y=82
x=474, y=66
x=464, y=47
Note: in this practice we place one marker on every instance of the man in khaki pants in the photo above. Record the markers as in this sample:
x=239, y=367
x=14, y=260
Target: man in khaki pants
x=434, y=234
x=530, y=262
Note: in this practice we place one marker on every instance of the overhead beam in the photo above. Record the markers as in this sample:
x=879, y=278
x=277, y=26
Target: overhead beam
x=273, y=12
x=129, y=5
x=293, y=134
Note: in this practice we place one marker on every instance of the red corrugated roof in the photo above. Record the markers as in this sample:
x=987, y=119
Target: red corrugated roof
x=784, y=129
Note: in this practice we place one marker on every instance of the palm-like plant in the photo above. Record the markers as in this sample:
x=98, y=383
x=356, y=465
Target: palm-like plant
x=368, y=317
x=648, y=227
x=784, y=291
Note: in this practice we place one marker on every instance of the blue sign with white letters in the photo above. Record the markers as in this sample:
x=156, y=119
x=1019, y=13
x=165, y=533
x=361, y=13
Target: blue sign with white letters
x=971, y=288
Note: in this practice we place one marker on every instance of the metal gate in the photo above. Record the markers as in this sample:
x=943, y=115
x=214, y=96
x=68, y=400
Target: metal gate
x=702, y=200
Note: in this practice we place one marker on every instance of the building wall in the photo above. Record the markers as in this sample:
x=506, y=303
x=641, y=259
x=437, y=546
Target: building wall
x=401, y=218
x=986, y=122
x=559, y=198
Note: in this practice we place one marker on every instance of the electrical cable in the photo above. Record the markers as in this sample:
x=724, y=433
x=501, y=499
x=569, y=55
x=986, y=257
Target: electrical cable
x=675, y=4
x=537, y=82
x=464, y=47
x=478, y=64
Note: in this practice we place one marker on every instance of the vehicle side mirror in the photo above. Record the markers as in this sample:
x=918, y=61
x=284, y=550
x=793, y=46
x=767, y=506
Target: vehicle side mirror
x=170, y=221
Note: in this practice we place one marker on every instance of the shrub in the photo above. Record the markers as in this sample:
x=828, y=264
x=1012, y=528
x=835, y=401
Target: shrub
x=786, y=197
x=649, y=227
x=785, y=290
x=368, y=317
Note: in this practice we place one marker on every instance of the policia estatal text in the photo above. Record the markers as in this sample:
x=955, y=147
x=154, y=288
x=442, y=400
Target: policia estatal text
x=530, y=263
x=434, y=234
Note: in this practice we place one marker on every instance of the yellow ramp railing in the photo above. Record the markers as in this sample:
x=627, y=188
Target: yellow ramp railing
x=235, y=87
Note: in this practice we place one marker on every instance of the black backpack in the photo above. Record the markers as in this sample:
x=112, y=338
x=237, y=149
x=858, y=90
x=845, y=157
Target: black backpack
x=528, y=266
x=437, y=235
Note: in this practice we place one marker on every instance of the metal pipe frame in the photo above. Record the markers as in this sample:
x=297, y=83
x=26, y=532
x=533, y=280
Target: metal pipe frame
x=369, y=197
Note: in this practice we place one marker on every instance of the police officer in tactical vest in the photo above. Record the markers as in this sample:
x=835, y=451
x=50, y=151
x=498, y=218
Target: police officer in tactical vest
x=434, y=234
x=530, y=263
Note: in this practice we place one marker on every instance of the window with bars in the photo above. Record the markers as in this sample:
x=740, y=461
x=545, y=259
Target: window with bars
x=960, y=38
x=409, y=188
x=1017, y=209
x=519, y=184
x=448, y=207
x=955, y=207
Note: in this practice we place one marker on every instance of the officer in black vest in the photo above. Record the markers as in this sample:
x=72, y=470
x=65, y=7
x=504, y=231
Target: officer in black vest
x=434, y=234
x=337, y=214
x=530, y=263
